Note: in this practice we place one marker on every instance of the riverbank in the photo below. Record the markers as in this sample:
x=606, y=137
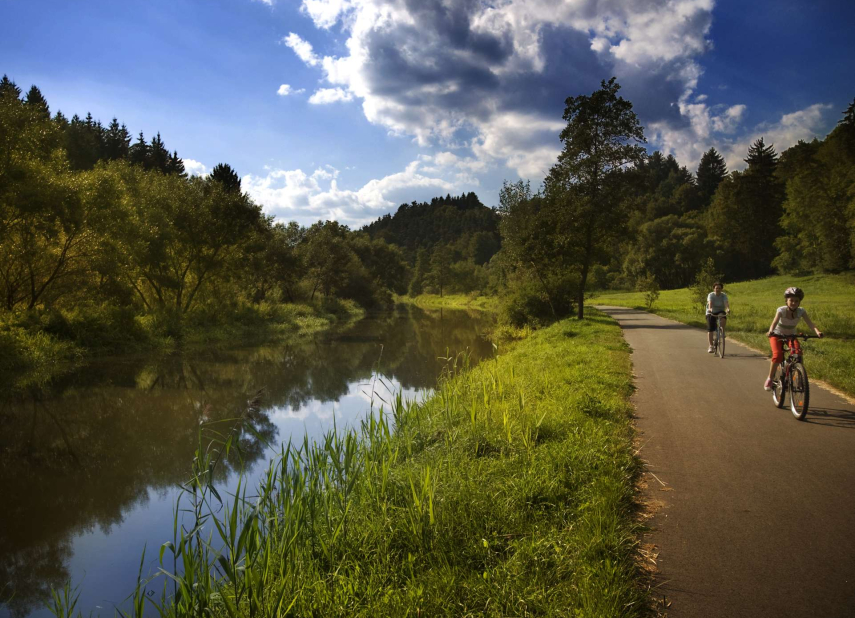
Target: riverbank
x=509, y=492
x=829, y=300
x=452, y=301
x=38, y=344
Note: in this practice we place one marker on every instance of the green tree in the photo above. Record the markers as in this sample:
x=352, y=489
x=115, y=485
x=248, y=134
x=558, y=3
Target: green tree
x=226, y=177
x=711, y=171
x=138, y=153
x=158, y=155
x=601, y=141
x=328, y=257
x=117, y=141
x=422, y=265
x=35, y=100
x=440, y=268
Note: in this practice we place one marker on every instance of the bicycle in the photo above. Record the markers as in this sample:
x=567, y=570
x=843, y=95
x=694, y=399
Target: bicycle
x=718, y=341
x=794, y=378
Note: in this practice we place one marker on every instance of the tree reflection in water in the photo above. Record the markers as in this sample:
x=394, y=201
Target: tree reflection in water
x=85, y=450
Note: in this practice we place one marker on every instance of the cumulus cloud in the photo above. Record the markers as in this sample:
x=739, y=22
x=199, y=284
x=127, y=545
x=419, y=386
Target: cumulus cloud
x=286, y=90
x=447, y=72
x=804, y=124
x=325, y=96
x=294, y=195
x=709, y=127
x=491, y=78
x=194, y=168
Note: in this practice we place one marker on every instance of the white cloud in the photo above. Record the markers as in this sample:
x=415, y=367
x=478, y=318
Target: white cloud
x=286, y=90
x=302, y=48
x=194, y=168
x=804, y=124
x=297, y=196
x=491, y=72
x=707, y=129
x=325, y=96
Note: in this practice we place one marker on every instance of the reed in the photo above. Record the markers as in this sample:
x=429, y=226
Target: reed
x=508, y=492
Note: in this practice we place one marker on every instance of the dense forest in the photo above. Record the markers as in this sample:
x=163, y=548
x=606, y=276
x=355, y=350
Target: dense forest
x=609, y=215
x=107, y=243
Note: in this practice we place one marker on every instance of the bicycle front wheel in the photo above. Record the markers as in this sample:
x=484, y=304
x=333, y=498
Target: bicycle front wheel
x=721, y=342
x=779, y=389
x=799, y=391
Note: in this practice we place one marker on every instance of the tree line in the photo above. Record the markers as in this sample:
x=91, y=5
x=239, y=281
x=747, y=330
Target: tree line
x=90, y=222
x=610, y=215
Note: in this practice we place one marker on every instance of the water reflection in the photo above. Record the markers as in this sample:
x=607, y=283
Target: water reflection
x=89, y=463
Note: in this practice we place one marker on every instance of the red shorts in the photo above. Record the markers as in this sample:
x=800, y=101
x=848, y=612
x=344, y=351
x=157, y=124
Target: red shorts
x=778, y=348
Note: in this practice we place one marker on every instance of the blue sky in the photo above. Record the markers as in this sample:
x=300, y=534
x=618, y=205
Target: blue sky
x=345, y=108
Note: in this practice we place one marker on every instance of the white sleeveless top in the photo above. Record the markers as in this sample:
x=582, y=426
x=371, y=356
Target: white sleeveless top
x=787, y=324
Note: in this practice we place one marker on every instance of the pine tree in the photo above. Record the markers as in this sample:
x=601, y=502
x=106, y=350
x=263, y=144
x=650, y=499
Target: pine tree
x=158, y=155
x=176, y=165
x=226, y=176
x=761, y=159
x=138, y=153
x=117, y=141
x=9, y=88
x=35, y=100
x=711, y=171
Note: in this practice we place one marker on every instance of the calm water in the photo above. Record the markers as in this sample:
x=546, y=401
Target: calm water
x=90, y=464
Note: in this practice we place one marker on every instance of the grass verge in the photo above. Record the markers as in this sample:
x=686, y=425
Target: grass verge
x=508, y=493
x=829, y=300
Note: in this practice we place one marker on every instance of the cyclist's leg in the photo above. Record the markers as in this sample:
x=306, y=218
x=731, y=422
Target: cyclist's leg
x=777, y=357
x=711, y=326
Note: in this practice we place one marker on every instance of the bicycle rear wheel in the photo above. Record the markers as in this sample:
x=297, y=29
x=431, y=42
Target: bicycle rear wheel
x=779, y=389
x=799, y=391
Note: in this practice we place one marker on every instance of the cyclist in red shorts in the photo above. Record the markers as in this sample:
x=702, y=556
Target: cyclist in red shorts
x=785, y=322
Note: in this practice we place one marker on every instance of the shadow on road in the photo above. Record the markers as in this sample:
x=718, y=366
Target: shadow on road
x=831, y=417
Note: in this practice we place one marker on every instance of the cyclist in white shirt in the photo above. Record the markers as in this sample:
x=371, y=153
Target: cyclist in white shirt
x=717, y=303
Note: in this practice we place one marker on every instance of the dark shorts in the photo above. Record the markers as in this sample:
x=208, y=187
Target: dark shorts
x=711, y=322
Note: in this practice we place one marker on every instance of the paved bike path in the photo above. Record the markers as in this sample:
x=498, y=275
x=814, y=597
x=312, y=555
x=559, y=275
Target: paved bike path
x=758, y=509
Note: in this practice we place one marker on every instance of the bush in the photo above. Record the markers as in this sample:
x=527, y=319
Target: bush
x=526, y=302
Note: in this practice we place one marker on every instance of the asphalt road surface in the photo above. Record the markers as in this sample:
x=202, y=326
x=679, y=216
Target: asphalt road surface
x=757, y=512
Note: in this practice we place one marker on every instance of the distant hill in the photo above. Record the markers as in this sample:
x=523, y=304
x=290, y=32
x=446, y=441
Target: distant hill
x=463, y=223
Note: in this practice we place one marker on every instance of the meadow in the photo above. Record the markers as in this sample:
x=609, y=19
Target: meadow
x=829, y=301
x=509, y=492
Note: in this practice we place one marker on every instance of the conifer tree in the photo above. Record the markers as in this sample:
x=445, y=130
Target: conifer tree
x=762, y=159
x=117, y=141
x=176, y=165
x=138, y=153
x=226, y=176
x=9, y=88
x=711, y=171
x=158, y=155
x=35, y=100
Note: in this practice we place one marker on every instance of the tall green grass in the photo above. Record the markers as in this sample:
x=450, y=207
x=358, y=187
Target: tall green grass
x=452, y=301
x=507, y=493
x=829, y=300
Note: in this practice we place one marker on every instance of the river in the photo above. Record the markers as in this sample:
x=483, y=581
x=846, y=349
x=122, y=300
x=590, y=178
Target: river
x=90, y=463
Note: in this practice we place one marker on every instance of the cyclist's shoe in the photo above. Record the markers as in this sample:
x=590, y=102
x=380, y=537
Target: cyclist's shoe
x=768, y=385
x=711, y=350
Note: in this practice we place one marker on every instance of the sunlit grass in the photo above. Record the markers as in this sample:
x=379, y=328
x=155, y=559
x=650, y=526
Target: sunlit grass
x=829, y=300
x=507, y=493
x=452, y=301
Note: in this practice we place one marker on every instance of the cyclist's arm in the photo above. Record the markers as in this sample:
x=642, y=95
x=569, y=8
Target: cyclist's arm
x=727, y=305
x=813, y=326
x=774, y=324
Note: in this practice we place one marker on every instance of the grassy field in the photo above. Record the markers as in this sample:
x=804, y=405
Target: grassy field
x=829, y=300
x=509, y=493
x=452, y=301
